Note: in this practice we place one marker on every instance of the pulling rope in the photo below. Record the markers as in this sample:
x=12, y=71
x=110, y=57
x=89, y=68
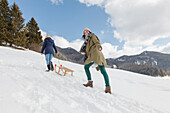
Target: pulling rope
x=62, y=69
x=58, y=64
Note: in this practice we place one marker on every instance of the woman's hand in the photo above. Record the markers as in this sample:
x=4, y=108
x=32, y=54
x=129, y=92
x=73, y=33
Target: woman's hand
x=41, y=54
x=100, y=49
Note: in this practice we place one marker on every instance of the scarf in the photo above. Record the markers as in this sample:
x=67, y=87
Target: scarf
x=83, y=48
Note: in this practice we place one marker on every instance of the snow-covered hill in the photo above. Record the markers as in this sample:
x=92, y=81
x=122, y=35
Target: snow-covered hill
x=25, y=87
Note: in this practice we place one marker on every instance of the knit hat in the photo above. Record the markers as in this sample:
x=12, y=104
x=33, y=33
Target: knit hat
x=48, y=36
x=87, y=29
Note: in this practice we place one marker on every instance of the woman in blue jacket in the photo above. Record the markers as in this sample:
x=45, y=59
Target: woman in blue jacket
x=48, y=45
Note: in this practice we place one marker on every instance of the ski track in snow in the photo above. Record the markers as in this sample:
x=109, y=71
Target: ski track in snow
x=25, y=87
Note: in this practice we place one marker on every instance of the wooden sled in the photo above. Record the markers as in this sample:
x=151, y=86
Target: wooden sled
x=63, y=69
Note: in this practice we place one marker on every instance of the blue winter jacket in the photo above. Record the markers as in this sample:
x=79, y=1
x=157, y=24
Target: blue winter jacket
x=48, y=45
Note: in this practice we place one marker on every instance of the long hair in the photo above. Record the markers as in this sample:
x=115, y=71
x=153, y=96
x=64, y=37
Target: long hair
x=48, y=36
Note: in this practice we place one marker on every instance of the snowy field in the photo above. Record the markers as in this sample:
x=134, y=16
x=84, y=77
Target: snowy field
x=25, y=87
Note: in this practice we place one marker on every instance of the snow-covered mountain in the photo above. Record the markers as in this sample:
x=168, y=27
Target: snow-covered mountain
x=149, y=58
x=25, y=87
x=148, y=62
x=70, y=54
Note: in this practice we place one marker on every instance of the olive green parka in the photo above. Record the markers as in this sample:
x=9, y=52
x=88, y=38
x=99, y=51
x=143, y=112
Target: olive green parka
x=93, y=52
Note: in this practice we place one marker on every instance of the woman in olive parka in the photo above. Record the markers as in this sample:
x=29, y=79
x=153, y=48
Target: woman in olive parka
x=92, y=49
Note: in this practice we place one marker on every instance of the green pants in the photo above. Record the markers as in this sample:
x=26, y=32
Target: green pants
x=102, y=69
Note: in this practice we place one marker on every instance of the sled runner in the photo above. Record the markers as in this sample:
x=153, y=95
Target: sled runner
x=63, y=70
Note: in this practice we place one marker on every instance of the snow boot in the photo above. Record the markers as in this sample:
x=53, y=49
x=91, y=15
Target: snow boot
x=51, y=66
x=89, y=84
x=48, y=66
x=108, y=89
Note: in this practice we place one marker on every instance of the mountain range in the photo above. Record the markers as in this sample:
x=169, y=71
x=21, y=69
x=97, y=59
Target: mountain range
x=149, y=58
x=70, y=54
x=148, y=62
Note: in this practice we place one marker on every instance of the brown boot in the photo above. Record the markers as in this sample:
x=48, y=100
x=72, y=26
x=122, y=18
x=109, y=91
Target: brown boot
x=108, y=89
x=89, y=84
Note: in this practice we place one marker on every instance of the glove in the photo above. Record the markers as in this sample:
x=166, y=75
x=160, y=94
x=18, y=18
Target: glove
x=97, y=68
x=56, y=54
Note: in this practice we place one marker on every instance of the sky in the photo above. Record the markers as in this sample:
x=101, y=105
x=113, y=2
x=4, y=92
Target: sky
x=124, y=27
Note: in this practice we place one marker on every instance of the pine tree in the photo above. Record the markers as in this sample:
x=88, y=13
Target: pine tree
x=17, y=25
x=23, y=38
x=1, y=26
x=4, y=21
x=34, y=34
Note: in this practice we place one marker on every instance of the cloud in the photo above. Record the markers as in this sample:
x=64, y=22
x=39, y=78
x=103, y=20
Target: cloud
x=166, y=48
x=137, y=22
x=92, y=2
x=57, y=1
x=63, y=43
x=109, y=50
x=140, y=20
x=44, y=34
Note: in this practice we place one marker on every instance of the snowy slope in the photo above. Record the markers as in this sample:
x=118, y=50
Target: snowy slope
x=25, y=87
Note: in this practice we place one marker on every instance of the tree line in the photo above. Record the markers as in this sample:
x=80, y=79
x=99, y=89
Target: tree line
x=13, y=30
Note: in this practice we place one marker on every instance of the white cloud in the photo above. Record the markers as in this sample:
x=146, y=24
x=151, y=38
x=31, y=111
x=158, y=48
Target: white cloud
x=44, y=34
x=138, y=22
x=166, y=48
x=63, y=43
x=92, y=2
x=109, y=50
x=57, y=1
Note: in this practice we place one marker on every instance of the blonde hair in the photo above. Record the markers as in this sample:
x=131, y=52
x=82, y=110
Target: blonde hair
x=48, y=36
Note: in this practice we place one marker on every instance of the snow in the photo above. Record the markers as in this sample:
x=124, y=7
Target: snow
x=121, y=60
x=137, y=62
x=25, y=87
x=155, y=62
